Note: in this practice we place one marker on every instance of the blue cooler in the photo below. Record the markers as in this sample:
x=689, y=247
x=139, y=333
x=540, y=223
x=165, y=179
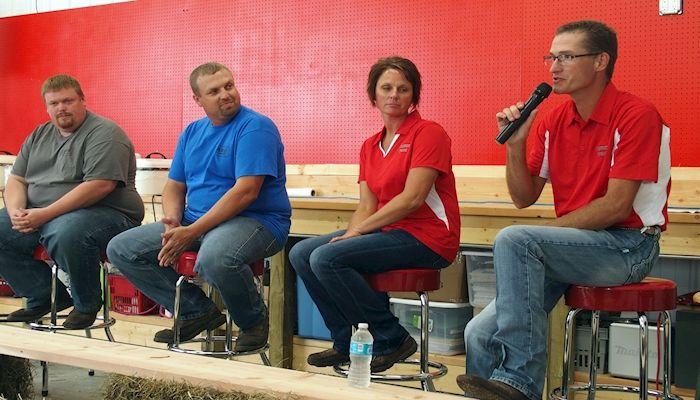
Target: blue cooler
x=309, y=321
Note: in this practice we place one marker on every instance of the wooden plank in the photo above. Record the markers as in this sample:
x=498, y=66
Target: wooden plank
x=282, y=309
x=220, y=374
x=473, y=182
x=555, y=346
x=481, y=222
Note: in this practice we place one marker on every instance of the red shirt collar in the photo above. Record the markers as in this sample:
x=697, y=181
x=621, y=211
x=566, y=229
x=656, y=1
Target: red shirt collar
x=405, y=128
x=603, y=109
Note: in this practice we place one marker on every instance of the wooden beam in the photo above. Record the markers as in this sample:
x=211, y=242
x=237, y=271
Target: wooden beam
x=282, y=309
x=219, y=374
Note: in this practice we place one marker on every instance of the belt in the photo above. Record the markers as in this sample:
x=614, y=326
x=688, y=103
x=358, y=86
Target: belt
x=650, y=230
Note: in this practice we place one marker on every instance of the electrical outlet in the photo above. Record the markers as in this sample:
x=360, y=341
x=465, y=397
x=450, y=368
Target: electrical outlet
x=670, y=7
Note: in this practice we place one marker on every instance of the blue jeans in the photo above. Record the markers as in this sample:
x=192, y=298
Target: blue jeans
x=222, y=261
x=75, y=241
x=534, y=265
x=333, y=275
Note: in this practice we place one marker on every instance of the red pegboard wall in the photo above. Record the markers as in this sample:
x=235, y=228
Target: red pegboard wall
x=305, y=65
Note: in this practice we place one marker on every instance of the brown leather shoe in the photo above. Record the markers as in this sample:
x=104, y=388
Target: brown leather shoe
x=192, y=327
x=79, y=320
x=36, y=313
x=327, y=358
x=488, y=389
x=386, y=361
x=252, y=338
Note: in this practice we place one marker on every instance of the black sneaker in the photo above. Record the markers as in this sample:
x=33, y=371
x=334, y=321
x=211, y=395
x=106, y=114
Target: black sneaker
x=252, y=338
x=386, y=361
x=79, y=320
x=189, y=329
x=35, y=313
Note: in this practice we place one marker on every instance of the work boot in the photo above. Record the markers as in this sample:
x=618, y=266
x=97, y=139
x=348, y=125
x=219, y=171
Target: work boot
x=488, y=389
x=79, y=320
x=190, y=328
x=252, y=338
x=327, y=358
x=386, y=361
x=35, y=313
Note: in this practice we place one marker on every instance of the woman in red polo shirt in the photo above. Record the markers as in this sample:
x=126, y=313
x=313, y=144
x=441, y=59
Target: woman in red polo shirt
x=407, y=217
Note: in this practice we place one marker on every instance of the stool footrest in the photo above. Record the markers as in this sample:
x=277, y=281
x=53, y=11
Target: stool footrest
x=51, y=327
x=215, y=353
x=441, y=370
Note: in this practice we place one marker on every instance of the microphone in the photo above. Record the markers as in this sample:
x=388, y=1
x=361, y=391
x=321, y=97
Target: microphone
x=541, y=92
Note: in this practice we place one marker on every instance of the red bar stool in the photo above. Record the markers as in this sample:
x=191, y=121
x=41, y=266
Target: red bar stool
x=102, y=322
x=421, y=281
x=185, y=267
x=649, y=295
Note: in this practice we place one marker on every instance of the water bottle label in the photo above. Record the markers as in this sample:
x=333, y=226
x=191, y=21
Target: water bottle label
x=362, y=349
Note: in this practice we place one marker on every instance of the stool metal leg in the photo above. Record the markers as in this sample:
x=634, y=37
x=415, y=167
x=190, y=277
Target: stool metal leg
x=208, y=340
x=176, y=312
x=568, y=350
x=427, y=381
x=643, y=356
x=666, y=324
x=228, y=344
x=54, y=279
x=593, y=364
x=105, y=301
x=44, y=378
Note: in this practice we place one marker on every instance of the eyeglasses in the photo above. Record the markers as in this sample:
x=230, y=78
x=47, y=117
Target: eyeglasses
x=565, y=59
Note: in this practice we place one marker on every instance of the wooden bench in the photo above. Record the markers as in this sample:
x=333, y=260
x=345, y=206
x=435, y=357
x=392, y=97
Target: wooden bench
x=220, y=374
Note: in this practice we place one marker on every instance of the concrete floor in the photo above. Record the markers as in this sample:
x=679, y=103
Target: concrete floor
x=69, y=383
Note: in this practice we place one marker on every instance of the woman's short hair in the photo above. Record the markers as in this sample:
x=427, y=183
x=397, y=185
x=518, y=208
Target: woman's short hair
x=404, y=65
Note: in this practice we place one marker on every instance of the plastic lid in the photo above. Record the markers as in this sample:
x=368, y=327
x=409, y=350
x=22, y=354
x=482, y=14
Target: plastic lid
x=363, y=325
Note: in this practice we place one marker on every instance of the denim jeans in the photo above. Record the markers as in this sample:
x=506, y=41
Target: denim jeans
x=333, y=275
x=534, y=265
x=223, y=255
x=75, y=241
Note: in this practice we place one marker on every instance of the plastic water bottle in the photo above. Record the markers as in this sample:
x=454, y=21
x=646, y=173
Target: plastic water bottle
x=360, y=356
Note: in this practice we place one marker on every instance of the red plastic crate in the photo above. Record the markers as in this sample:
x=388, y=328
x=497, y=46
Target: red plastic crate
x=126, y=299
x=5, y=289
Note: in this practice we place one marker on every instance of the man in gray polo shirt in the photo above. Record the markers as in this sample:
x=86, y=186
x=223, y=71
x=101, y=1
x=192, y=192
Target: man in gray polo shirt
x=71, y=190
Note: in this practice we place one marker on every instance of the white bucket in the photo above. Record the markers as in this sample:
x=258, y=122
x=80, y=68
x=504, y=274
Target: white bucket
x=151, y=174
x=6, y=163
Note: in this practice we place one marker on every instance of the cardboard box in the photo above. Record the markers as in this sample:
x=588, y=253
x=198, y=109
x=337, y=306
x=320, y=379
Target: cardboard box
x=453, y=288
x=623, y=353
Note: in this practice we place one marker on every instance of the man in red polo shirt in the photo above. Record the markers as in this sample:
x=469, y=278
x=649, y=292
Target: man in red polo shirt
x=606, y=154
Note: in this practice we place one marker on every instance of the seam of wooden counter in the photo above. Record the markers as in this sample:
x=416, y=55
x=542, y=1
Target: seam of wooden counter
x=470, y=208
x=216, y=373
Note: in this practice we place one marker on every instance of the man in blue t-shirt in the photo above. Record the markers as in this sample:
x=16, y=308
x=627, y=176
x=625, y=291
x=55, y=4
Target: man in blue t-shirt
x=225, y=197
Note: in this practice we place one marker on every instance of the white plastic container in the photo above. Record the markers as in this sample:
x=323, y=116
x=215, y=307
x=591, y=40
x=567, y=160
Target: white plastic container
x=481, y=277
x=6, y=162
x=623, y=352
x=446, y=322
x=151, y=174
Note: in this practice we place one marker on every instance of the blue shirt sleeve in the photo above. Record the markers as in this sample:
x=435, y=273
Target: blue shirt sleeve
x=257, y=151
x=177, y=167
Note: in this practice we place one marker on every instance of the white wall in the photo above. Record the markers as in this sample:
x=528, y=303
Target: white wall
x=10, y=8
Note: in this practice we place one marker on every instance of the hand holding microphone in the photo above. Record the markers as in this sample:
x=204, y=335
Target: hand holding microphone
x=541, y=92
